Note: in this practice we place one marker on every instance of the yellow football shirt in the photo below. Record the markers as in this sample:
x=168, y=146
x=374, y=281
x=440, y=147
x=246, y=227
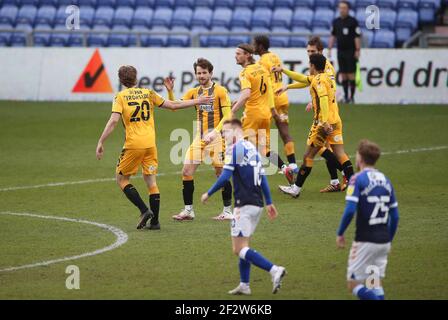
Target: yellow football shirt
x=269, y=60
x=322, y=85
x=136, y=106
x=209, y=115
x=261, y=100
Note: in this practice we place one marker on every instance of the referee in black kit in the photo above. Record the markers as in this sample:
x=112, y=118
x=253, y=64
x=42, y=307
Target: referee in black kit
x=348, y=36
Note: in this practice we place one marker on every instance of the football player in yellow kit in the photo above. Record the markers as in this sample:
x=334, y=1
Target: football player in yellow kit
x=315, y=45
x=257, y=97
x=326, y=127
x=268, y=60
x=208, y=141
x=135, y=107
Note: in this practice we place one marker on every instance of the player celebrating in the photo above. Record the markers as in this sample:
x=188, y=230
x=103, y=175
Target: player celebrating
x=326, y=127
x=208, y=140
x=371, y=195
x=135, y=107
x=250, y=184
x=268, y=60
x=315, y=45
x=258, y=98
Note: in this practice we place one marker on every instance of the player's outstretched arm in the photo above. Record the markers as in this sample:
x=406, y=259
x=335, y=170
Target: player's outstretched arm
x=110, y=126
x=174, y=105
x=244, y=96
x=219, y=184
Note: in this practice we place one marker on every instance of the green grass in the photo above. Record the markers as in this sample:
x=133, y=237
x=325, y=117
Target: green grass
x=43, y=143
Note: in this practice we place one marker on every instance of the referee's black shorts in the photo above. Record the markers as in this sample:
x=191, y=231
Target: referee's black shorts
x=346, y=61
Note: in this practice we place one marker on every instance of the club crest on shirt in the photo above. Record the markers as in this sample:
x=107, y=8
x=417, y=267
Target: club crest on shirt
x=206, y=107
x=350, y=190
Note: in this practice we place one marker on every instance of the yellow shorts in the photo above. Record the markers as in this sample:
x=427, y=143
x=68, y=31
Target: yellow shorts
x=282, y=111
x=212, y=153
x=257, y=131
x=131, y=159
x=319, y=138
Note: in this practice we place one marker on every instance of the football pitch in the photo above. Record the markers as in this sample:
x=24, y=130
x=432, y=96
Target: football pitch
x=48, y=168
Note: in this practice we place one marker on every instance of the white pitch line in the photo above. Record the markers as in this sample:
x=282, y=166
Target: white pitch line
x=121, y=238
x=67, y=183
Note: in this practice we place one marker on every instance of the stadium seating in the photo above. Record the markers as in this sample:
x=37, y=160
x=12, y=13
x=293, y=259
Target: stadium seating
x=401, y=17
x=383, y=39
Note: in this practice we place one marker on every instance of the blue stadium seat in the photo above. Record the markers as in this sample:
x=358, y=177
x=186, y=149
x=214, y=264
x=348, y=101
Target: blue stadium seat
x=261, y=17
x=29, y=2
x=66, y=3
x=304, y=4
x=384, y=4
x=133, y=38
x=182, y=17
x=42, y=39
x=323, y=18
x=106, y=3
x=363, y=4
x=26, y=15
x=299, y=41
x=142, y=17
x=205, y=3
x=8, y=14
x=98, y=39
x=324, y=34
x=162, y=17
x=5, y=37
x=117, y=39
x=387, y=19
x=202, y=17
x=46, y=15
x=123, y=17
x=261, y=30
x=125, y=3
x=87, y=3
x=243, y=3
x=224, y=3
x=164, y=3
x=241, y=18
x=103, y=16
x=427, y=10
x=302, y=17
x=144, y=4
x=352, y=3
x=407, y=21
x=159, y=40
x=59, y=39
x=284, y=3
x=236, y=38
x=76, y=39
x=265, y=3
x=179, y=40
x=11, y=2
x=53, y=3
x=215, y=40
x=367, y=38
x=361, y=16
x=282, y=17
x=61, y=16
x=17, y=39
x=222, y=17
x=384, y=39
x=331, y=4
x=408, y=4
x=279, y=41
x=184, y=3
x=86, y=15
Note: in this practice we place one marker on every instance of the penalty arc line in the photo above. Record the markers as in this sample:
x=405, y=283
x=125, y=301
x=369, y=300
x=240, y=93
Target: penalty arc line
x=68, y=183
x=121, y=238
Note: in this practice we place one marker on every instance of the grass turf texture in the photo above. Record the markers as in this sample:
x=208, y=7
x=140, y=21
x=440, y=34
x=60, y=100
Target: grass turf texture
x=55, y=142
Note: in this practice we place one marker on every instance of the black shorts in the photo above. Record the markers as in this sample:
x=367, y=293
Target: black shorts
x=347, y=61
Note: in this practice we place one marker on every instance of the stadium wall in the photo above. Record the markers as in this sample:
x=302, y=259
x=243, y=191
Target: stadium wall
x=76, y=74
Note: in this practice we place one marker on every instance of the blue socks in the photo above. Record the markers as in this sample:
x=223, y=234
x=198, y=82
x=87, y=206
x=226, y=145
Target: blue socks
x=244, y=271
x=255, y=258
x=364, y=294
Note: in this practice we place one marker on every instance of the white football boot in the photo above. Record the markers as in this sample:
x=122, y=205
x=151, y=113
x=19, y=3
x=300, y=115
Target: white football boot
x=292, y=190
x=184, y=215
x=242, y=289
x=226, y=214
x=277, y=277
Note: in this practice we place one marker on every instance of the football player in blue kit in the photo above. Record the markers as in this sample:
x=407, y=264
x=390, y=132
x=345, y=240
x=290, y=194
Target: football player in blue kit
x=243, y=163
x=371, y=196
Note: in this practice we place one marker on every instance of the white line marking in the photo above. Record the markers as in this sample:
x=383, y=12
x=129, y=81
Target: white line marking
x=68, y=183
x=121, y=239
